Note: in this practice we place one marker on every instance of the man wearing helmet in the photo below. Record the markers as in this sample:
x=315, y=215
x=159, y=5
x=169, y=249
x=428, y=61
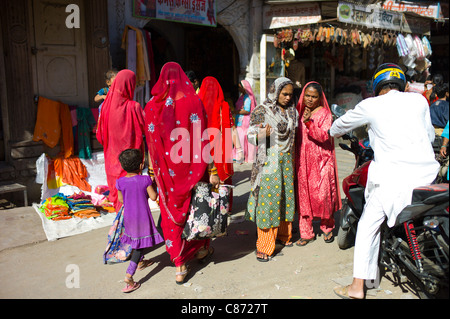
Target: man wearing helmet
x=401, y=135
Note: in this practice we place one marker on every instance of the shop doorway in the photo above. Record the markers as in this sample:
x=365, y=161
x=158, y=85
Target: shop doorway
x=60, y=53
x=212, y=52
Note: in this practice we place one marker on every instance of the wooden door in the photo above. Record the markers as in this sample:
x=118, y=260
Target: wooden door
x=60, y=53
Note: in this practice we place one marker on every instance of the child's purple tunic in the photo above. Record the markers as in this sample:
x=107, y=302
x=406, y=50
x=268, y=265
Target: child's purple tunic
x=139, y=228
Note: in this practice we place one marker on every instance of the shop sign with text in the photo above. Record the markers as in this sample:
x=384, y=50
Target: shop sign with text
x=201, y=12
x=369, y=16
x=428, y=11
x=281, y=16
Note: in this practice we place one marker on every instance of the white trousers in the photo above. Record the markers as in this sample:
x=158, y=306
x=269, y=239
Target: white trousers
x=367, y=243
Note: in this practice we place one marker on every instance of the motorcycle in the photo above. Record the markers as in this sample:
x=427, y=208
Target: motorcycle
x=417, y=246
x=353, y=185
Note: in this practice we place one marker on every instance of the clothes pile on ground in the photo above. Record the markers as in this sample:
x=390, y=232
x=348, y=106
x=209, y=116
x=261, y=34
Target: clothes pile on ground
x=61, y=207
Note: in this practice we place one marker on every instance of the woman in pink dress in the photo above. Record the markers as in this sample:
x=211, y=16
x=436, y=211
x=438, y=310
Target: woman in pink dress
x=244, y=107
x=175, y=120
x=316, y=169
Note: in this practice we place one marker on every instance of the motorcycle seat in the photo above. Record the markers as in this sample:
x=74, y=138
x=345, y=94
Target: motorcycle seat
x=437, y=191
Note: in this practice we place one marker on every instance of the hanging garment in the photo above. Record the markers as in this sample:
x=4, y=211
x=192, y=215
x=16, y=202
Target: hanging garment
x=86, y=123
x=54, y=124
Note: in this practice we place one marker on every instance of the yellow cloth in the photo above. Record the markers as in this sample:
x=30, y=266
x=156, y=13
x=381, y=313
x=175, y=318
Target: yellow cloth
x=142, y=66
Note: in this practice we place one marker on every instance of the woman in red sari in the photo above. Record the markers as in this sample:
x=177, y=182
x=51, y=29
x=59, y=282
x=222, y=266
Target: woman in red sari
x=175, y=120
x=318, y=189
x=220, y=125
x=120, y=127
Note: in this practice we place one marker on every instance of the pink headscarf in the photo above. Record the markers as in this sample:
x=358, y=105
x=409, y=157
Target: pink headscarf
x=120, y=127
x=300, y=108
x=177, y=161
x=240, y=103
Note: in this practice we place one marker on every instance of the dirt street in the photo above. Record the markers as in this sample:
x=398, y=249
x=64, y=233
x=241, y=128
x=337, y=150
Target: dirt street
x=71, y=268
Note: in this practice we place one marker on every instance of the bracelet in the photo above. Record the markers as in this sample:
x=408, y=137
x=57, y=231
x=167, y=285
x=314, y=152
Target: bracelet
x=444, y=146
x=213, y=171
x=151, y=172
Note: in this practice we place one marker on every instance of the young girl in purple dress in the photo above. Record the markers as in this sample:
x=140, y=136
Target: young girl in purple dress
x=140, y=231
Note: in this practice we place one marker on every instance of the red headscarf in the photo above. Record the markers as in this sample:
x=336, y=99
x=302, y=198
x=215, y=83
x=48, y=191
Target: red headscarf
x=218, y=112
x=120, y=127
x=175, y=120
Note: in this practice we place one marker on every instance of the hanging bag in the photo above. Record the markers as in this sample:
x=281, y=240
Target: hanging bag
x=402, y=47
x=419, y=48
x=208, y=212
x=426, y=46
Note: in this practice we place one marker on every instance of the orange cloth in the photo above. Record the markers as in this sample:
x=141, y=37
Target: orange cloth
x=67, y=148
x=267, y=237
x=73, y=172
x=48, y=126
x=54, y=123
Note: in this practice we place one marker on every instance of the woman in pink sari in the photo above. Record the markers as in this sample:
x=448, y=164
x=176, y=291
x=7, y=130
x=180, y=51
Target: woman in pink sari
x=317, y=177
x=120, y=127
x=244, y=107
x=175, y=120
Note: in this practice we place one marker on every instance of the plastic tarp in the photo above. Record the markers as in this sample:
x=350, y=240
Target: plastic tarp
x=74, y=226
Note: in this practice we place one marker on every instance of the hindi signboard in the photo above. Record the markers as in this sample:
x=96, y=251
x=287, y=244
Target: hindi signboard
x=426, y=10
x=202, y=12
x=371, y=16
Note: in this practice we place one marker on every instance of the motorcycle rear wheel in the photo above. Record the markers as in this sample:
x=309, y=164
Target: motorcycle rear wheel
x=345, y=238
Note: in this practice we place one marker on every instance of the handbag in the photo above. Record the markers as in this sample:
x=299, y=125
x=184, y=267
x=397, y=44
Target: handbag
x=208, y=212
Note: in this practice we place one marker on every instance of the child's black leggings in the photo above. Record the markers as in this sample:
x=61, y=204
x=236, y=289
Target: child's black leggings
x=136, y=256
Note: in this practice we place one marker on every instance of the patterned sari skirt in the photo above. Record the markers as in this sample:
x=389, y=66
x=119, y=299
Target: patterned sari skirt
x=274, y=200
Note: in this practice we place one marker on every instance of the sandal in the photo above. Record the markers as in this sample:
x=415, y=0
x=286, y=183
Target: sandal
x=328, y=239
x=145, y=263
x=184, y=274
x=285, y=244
x=262, y=257
x=207, y=256
x=303, y=242
x=131, y=285
x=343, y=292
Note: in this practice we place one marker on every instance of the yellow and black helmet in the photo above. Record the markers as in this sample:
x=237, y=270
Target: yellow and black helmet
x=388, y=73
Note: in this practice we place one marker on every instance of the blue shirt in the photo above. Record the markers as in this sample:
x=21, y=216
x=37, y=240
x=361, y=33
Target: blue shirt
x=439, y=113
x=247, y=107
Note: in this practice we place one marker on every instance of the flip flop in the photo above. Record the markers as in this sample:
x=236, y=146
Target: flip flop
x=285, y=244
x=343, y=292
x=207, y=256
x=129, y=288
x=145, y=263
x=262, y=259
x=329, y=240
x=303, y=242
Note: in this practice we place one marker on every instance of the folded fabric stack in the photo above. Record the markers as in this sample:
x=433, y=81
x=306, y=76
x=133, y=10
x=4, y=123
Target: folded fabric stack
x=56, y=207
x=81, y=206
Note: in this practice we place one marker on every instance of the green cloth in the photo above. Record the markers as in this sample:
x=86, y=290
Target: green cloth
x=274, y=200
x=86, y=123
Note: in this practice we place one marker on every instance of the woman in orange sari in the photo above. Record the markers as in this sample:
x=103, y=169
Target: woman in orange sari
x=317, y=177
x=120, y=127
x=175, y=120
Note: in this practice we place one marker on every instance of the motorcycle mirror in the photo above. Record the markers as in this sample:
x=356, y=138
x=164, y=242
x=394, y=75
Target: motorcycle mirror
x=337, y=110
